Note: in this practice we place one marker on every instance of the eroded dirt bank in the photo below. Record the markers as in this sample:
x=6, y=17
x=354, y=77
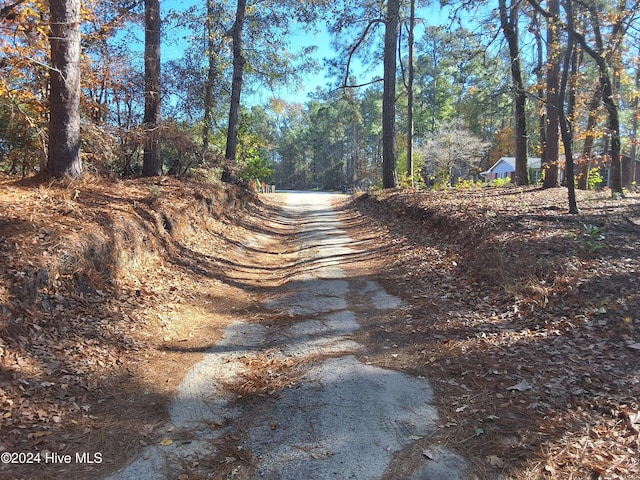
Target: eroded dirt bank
x=109, y=293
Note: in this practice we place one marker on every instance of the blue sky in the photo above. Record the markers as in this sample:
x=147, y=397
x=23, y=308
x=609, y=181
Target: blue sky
x=299, y=40
x=302, y=38
x=433, y=15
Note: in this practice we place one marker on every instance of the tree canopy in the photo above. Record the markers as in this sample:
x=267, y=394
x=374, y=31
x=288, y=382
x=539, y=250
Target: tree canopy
x=347, y=131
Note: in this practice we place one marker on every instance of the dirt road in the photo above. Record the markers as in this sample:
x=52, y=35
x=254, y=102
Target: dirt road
x=323, y=412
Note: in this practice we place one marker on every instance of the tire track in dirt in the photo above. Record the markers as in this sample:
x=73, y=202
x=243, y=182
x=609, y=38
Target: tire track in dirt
x=338, y=418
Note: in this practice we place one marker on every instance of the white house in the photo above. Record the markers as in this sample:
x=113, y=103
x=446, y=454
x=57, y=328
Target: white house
x=506, y=166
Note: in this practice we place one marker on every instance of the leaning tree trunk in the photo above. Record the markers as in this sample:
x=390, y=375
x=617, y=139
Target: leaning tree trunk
x=509, y=23
x=152, y=162
x=611, y=106
x=389, y=174
x=236, y=89
x=601, y=58
x=64, y=99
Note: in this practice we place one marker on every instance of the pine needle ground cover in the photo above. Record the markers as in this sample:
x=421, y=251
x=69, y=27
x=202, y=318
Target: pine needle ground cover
x=524, y=319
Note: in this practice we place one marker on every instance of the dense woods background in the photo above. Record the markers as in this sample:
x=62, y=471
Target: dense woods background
x=511, y=78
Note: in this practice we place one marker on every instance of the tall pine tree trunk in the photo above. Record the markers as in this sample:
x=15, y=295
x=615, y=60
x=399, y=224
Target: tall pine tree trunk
x=64, y=99
x=389, y=174
x=211, y=77
x=509, y=24
x=152, y=162
x=567, y=92
x=552, y=143
x=634, y=128
x=539, y=72
x=236, y=90
x=411, y=75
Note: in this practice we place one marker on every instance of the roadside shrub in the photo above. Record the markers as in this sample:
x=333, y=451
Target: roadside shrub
x=500, y=182
x=407, y=181
x=253, y=165
x=470, y=184
x=594, y=179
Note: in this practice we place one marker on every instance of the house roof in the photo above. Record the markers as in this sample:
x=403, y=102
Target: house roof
x=508, y=164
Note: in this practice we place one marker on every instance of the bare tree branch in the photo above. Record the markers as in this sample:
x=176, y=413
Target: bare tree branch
x=354, y=48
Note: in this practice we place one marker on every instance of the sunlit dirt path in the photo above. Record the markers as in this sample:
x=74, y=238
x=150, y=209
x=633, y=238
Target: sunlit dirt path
x=293, y=399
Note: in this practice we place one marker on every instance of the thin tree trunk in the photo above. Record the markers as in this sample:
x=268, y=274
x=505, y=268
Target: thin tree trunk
x=634, y=127
x=236, y=89
x=211, y=77
x=614, y=130
x=542, y=118
x=64, y=101
x=509, y=23
x=552, y=145
x=566, y=120
x=389, y=174
x=411, y=75
x=587, y=149
x=152, y=162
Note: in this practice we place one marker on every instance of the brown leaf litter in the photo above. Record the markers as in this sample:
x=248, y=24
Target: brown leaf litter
x=109, y=293
x=524, y=318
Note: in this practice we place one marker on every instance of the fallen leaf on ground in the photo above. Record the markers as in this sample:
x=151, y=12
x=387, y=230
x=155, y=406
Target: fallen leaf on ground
x=633, y=345
x=521, y=387
x=429, y=454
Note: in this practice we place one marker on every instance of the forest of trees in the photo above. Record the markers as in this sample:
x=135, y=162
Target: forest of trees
x=86, y=87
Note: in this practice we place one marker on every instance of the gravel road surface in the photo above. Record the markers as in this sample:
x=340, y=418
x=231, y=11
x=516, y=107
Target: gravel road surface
x=342, y=418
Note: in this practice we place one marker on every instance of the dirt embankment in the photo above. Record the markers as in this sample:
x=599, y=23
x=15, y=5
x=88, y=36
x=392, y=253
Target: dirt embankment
x=109, y=292
x=527, y=320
